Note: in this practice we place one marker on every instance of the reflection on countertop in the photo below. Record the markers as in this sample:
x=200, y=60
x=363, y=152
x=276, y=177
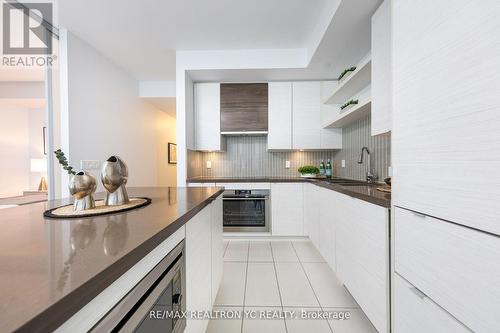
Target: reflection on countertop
x=49, y=267
x=362, y=191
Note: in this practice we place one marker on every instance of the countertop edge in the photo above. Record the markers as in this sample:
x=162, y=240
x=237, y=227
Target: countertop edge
x=386, y=203
x=56, y=314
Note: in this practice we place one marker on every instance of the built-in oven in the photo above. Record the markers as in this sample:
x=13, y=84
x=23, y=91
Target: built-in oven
x=156, y=303
x=246, y=210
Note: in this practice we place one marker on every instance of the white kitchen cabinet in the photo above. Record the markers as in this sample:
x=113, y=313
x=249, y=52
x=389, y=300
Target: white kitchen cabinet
x=416, y=313
x=287, y=211
x=279, y=116
x=217, y=246
x=381, y=68
x=446, y=115
x=307, y=130
x=207, y=117
x=362, y=255
x=457, y=267
x=204, y=262
x=311, y=212
x=306, y=115
x=198, y=268
x=327, y=220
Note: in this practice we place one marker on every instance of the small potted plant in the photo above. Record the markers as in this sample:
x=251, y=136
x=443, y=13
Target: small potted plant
x=346, y=73
x=308, y=171
x=346, y=106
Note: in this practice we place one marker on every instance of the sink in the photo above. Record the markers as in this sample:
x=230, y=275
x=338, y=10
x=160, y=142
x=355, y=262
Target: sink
x=343, y=181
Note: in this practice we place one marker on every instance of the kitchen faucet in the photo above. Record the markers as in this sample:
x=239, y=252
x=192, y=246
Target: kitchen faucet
x=371, y=176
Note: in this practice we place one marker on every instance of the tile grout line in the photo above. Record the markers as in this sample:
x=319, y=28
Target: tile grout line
x=278, y=284
x=310, y=284
x=245, y=293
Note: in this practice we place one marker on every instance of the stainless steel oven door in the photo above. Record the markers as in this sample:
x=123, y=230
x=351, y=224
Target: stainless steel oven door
x=150, y=306
x=246, y=214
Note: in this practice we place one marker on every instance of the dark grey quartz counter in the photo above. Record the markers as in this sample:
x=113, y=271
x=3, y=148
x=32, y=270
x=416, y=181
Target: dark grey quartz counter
x=363, y=191
x=51, y=268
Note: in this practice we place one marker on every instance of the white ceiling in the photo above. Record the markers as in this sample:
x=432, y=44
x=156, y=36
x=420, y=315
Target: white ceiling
x=345, y=42
x=142, y=36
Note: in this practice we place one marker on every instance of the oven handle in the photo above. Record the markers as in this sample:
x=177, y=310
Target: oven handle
x=241, y=199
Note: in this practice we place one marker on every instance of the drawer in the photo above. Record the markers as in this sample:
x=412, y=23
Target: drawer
x=416, y=313
x=457, y=267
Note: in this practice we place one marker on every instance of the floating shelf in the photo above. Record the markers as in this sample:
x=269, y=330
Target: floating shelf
x=345, y=118
x=354, y=83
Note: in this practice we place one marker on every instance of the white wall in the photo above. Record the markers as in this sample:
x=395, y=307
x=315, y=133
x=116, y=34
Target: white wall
x=36, y=121
x=20, y=140
x=104, y=116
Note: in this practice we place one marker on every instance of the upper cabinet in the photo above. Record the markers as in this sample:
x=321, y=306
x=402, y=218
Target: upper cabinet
x=295, y=118
x=243, y=108
x=446, y=115
x=207, y=117
x=381, y=84
x=290, y=113
x=306, y=117
x=280, y=116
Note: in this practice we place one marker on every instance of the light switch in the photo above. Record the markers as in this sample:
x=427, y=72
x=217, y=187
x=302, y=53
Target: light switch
x=287, y=164
x=90, y=165
x=343, y=163
x=390, y=171
x=209, y=164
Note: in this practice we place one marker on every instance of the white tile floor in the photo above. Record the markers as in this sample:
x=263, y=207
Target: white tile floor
x=282, y=278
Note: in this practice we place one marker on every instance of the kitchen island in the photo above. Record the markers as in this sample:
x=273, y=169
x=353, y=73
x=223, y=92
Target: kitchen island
x=52, y=268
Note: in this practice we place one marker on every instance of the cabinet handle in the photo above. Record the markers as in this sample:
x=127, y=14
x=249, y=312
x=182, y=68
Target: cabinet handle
x=419, y=215
x=418, y=292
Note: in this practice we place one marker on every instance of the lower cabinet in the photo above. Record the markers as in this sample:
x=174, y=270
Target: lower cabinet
x=217, y=246
x=414, y=312
x=287, y=209
x=203, y=262
x=327, y=200
x=362, y=253
x=353, y=237
x=457, y=267
x=311, y=212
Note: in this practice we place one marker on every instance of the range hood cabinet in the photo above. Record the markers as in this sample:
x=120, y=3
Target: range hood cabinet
x=243, y=108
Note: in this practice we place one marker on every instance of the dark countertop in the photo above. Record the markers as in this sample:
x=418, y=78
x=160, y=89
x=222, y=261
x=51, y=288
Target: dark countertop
x=50, y=268
x=364, y=191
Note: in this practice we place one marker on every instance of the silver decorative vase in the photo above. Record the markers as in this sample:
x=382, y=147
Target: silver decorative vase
x=114, y=176
x=82, y=187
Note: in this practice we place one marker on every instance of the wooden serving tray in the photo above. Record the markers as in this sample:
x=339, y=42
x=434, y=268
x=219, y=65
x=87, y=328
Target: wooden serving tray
x=65, y=212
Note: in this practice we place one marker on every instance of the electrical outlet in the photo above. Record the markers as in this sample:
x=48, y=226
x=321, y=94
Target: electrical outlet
x=287, y=164
x=209, y=164
x=343, y=163
x=90, y=165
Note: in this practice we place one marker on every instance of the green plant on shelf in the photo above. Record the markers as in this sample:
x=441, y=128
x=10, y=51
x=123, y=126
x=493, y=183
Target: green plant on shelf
x=352, y=69
x=64, y=162
x=352, y=101
x=308, y=169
